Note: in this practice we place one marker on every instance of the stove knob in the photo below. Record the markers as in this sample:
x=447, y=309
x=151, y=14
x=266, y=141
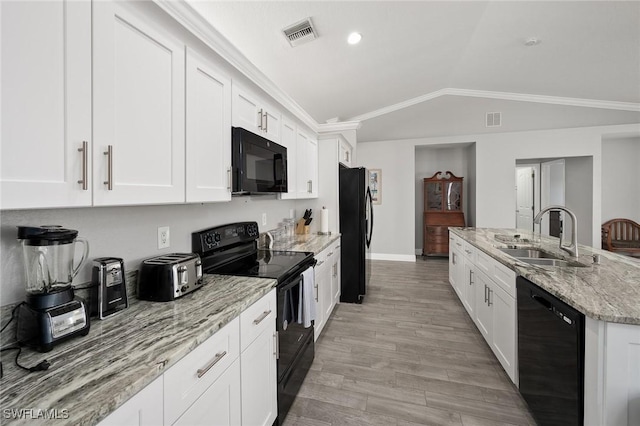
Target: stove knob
x=183, y=288
x=217, y=237
x=208, y=239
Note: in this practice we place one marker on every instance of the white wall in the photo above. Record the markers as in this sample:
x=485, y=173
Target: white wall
x=621, y=191
x=430, y=160
x=579, y=197
x=394, y=222
x=129, y=232
x=496, y=156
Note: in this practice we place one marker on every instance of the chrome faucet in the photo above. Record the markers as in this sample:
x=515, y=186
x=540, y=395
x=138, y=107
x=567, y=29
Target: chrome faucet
x=572, y=248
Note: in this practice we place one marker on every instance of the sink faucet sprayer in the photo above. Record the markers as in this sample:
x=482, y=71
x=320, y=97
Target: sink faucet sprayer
x=572, y=248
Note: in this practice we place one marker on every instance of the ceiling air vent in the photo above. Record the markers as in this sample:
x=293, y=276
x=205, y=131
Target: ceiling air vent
x=301, y=32
x=494, y=119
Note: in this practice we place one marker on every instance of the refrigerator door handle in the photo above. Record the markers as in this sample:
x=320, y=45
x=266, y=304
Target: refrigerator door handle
x=369, y=231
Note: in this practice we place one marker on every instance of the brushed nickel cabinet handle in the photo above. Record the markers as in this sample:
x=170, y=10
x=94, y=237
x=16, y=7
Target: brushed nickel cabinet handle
x=261, y=118
x=470, y=277
x=347, y=155
x=261, y=317
x=214, y=361
x=229, y=179
x=266, y=122
x=109, y=154
x=277, y=346
x=485, y=293
x=316, y=287
x=489, y=302
x=85, y=161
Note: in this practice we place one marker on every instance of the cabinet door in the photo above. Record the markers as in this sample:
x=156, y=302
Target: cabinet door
x=208, y=131
x=219, y=404
x=469, y=290
x=143, y=409
x=344, y=153
x=312, y=166
x=138, y=109
x=503, y=340
x=327, y=287
x=319, y=277
x=335, y=282
x=46, y=103
x=456, y=271
x=259, y=381
x=302, y=158
x=271, y=124
x=246, y=112
x=484, y=313
x=288, y=140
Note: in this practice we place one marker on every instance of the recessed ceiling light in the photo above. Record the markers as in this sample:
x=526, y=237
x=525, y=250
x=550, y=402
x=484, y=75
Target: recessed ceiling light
x=354, y=38
x=532, y=41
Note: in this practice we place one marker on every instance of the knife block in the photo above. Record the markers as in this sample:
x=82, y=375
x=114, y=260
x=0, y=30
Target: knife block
x=301, y=228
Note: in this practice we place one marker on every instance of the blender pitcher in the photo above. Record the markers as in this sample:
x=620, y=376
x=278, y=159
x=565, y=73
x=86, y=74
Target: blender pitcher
x=49, y=253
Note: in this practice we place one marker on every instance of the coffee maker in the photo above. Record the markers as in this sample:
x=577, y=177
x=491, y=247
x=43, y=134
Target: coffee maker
x=52, y=313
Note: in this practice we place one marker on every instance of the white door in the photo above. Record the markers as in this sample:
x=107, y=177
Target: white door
x=220, y=404
x=259, y=380
x=208, y=122
x=525, y=178
x=138, y=114
x=288, y=140
x=552, y=188
x=46, y=104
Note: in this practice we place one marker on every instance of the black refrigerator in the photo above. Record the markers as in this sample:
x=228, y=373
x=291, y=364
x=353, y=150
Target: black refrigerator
x=356, y=227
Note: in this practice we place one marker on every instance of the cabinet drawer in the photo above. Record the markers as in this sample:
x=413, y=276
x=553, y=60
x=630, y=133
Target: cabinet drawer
x=182, y=386
x=442, y=239
x=503, y=276
x=469, y=251
x=437, y=230
x=256, y=318
x=455, y=241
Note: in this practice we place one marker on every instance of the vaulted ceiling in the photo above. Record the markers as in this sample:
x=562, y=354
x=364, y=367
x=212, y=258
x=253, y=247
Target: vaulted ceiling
x=448, y=58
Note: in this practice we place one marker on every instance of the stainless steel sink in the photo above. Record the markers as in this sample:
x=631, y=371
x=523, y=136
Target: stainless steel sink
x=550, y=262
x=528, y=253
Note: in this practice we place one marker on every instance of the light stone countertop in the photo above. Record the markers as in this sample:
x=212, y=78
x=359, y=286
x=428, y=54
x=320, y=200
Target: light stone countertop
x=92, y=376
x=609, y=291
x=307, y=242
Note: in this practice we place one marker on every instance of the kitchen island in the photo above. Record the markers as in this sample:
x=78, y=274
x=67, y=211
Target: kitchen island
x=92, y=376
x=606, y=292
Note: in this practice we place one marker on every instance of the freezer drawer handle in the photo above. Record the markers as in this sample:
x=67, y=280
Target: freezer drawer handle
x=203, y=371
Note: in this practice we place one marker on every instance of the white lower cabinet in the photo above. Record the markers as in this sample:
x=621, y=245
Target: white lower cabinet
x=327, y=282
x=229, y=379
x=486, y=288
x=219, y=405
x=141, y=409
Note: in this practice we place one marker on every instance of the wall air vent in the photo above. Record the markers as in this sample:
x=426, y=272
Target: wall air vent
x=299, y=33
x=494, y=119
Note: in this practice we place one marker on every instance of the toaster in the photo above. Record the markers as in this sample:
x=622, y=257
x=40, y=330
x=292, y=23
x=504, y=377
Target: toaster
x=169, y=276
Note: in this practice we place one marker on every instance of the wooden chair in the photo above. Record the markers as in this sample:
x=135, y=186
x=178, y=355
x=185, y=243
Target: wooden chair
x=622, y=236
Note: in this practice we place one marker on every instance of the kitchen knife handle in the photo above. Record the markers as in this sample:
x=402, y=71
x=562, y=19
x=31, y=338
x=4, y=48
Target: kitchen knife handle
x=261, y=317
x=85, y=161
x=109, y=154
x=214, y=361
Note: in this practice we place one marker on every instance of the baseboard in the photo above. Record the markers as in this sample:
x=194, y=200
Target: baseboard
x=393, y=257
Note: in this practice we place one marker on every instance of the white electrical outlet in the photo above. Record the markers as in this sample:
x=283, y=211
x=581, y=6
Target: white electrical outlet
x=264, y=219
x=164, y=238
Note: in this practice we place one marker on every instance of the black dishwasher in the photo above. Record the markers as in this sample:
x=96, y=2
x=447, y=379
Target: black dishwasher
x=550, y=356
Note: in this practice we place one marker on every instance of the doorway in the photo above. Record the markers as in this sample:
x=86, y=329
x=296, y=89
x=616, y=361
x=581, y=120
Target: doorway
x=525, y=196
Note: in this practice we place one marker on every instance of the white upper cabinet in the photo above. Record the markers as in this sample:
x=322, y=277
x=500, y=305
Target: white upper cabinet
x=138, y=109
x=46, y=104
x=208, y=131
x=344, y=152
x=307, y=158
x=255, y=115
x=289, y=141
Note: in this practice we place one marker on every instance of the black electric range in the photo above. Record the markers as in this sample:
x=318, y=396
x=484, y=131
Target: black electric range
x=232, y=250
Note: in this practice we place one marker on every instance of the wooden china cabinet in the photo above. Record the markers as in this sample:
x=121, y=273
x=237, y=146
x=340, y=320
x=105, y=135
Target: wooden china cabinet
x=442, y=208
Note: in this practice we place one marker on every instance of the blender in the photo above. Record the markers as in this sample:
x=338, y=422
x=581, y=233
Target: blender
x=52, y=312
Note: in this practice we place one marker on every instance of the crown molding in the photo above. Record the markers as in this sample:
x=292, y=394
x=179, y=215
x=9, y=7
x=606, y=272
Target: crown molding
x=187, y=16
x=338, y=127
x=522, y=97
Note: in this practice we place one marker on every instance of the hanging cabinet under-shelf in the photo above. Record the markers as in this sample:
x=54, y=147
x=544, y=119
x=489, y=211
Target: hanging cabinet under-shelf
x=442, y=209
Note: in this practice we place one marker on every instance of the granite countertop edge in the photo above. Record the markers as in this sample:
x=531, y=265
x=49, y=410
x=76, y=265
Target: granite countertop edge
x=315, y=243
x=609, y=291
x=125, y=353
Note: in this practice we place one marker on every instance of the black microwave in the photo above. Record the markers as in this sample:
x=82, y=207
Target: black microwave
x=258, y=165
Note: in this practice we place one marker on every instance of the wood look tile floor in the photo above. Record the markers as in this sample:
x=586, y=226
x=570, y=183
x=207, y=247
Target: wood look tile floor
x=408, y=355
